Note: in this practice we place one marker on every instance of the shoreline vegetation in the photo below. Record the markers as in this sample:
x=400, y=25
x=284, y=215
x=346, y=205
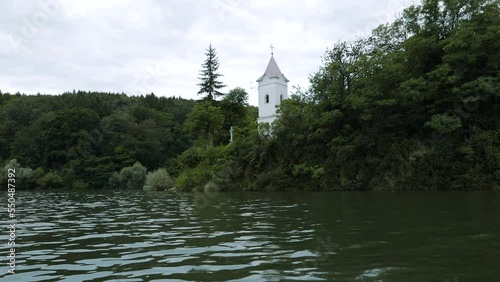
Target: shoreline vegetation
x=413, y=106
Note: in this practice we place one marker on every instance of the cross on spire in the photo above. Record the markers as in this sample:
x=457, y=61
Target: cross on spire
x=272, y=49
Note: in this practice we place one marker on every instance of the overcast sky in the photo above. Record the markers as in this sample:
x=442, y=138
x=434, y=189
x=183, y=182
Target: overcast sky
x=53, y=46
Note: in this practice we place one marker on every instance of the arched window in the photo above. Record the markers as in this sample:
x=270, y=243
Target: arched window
x=267, y=98
x=281, y=98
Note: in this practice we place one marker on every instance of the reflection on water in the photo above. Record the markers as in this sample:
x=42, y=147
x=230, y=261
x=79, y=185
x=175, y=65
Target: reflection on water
x=155, y=236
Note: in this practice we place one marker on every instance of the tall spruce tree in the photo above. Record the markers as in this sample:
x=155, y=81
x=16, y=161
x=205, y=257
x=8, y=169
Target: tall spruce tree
x=209, y=76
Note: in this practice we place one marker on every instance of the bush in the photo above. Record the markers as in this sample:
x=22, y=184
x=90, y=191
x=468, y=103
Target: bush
x=159, y=180
x=196, y=178
x=190, y=158
x=199, y=166
x=24, y=175
x=114, y=181
x=79, y=185
x=228, y=175
x=131, y=177
x=211, y=187
x=50, y=180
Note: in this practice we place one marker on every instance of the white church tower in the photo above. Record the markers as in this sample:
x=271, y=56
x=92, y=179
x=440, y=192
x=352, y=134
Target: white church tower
x=273, y=88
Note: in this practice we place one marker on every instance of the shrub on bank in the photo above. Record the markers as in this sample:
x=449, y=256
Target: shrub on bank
x=159, y=180
x=131, y=177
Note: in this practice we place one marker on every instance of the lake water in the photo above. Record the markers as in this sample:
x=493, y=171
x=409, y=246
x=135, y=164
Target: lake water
x=157, y=236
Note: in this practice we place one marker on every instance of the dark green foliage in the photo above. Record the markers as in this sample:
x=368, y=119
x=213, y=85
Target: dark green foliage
x=209, y=76
x=414, y=106
x=205, y=120
x=22, y=176
x=403, y=109
x=82, y=138
x=198, y=166
x=234, y=108
x=50, y=180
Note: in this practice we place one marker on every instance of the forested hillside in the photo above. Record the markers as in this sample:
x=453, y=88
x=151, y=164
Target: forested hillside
x=79, y=139
x=414, y=106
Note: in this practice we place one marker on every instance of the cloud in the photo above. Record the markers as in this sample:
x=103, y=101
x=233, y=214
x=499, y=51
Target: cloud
x=53, y=46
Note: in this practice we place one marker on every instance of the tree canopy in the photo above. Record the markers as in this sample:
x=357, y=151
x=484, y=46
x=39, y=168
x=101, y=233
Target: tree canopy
x=84, y=137
x=413, y=106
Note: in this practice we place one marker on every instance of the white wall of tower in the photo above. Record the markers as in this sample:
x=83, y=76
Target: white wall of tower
x=277, y=89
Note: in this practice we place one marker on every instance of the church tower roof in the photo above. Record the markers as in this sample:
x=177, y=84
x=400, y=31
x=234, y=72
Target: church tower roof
x=272, y=71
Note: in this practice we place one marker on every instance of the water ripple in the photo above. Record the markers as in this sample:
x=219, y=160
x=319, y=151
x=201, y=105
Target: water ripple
x=137, y=236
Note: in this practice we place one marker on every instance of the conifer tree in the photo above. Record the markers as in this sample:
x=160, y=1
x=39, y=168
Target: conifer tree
x=209, y=76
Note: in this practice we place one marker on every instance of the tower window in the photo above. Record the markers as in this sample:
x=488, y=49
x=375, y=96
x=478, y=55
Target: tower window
x=281, y=98
x=267, y=98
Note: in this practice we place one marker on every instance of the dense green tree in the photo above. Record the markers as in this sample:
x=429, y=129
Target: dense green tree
x=210, y=83
x=234, y=106
x=205, y=120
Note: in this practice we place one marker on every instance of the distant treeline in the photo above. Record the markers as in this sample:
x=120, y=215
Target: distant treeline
x=414, y=106
x=83, y=137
